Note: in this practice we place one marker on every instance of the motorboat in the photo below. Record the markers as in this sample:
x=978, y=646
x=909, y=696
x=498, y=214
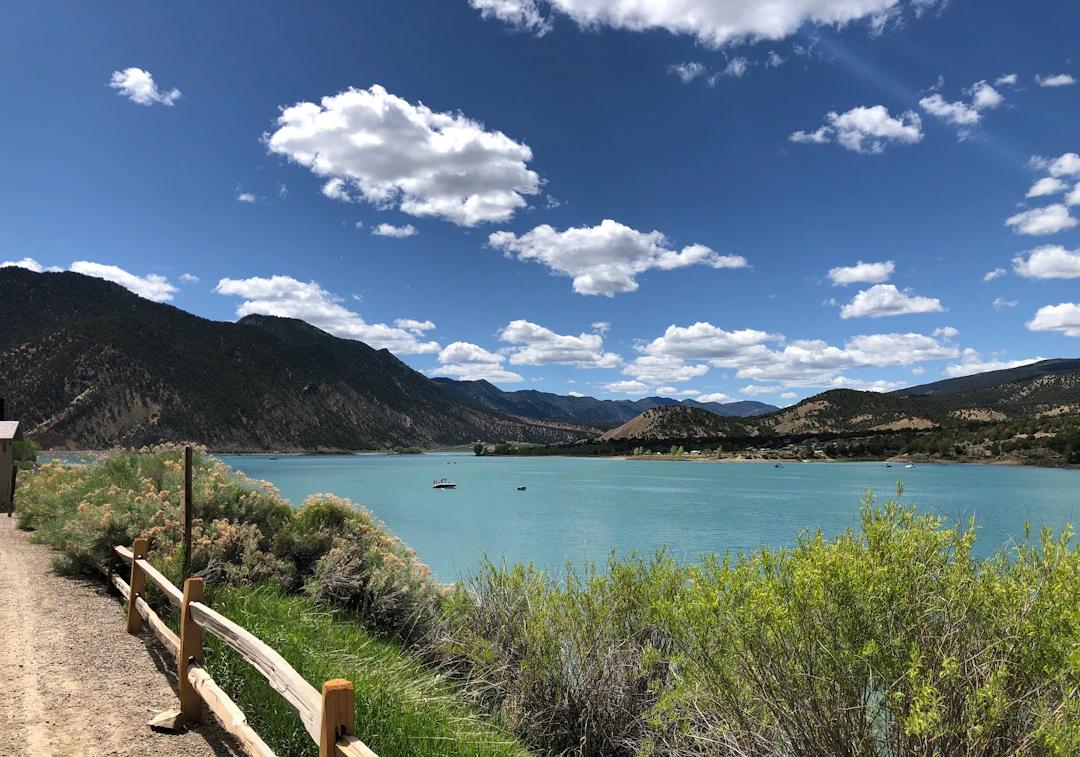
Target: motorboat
x=443, y=483
x=521, y=488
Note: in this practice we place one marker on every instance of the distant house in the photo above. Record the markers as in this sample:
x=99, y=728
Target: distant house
x=9, y=434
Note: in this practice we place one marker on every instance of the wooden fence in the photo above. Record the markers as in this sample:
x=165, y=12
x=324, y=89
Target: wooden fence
x=329, y=719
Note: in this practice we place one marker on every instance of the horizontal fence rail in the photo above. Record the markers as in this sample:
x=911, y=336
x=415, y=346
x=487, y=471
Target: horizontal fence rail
x=329, y=717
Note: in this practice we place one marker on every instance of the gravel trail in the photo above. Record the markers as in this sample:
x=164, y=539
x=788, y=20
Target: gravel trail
x=72, y=681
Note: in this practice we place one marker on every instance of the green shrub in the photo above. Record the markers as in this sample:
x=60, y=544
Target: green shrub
x=24, y=451
x=892, y=640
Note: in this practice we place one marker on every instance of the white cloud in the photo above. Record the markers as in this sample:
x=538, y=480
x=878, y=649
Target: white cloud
x=737, y=67
x=606, y=259
x=1056, y=80
x=189, y=278
x=711, y=22
x=966, y=115
x=687, y=71
x=1063, y=318
x=788, y=395
x=997, y=273
x=879, y=385
x=152, y=286
x=1042, y=221
x=970, y=364
x=1000, y=303
x=774, y=60
x=575, y=394
x=393, y=153
x=396, y=232
x=470, y=362
x=28, y=263
x=946, y=332
x=1067, y=164
x=1006, y=80
x=287, y=297
x=1048, y=185
x=1050, y=261
x=520, y=14
x=657, y=369
x=754, y=390
x=713, y=397
x=886, y=300
x=1073, y=198
x=627, y=387
x=866, y=130
x=862, y=273
x=958, y=113
x=246, y=197
x=537, y=345
x=601, y=327
x=138, y=86
x=416, y=327
x=801, y=363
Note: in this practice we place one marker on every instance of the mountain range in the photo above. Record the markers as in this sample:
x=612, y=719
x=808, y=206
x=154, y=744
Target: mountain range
x=87, y=364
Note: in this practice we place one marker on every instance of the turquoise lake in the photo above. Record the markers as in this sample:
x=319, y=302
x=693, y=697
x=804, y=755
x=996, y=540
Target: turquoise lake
x=579, y=509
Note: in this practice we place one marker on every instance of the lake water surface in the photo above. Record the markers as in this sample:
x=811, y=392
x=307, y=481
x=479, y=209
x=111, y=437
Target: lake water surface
x=578, y=509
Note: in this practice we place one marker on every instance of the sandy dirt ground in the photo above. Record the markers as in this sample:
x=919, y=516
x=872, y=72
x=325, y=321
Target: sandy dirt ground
x=72, y=681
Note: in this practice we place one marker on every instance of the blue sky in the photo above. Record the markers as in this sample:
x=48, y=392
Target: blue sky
x=569, y=195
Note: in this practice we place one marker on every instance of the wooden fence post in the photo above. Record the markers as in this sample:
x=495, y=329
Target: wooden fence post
x=338, y=715
x=191, y=651
x=137, y=584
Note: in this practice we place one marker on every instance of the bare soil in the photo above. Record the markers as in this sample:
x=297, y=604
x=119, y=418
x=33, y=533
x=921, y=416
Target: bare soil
x=72, y=680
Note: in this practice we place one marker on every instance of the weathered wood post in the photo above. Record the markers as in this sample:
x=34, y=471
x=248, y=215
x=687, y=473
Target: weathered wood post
x=187, y=512
x=138, y=584
x=191, y=651
x=338, y=715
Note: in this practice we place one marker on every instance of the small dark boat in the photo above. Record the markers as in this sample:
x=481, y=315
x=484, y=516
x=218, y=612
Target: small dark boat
x=888, y=465
x=521, y=488
x=779, y=465
x=443, y=484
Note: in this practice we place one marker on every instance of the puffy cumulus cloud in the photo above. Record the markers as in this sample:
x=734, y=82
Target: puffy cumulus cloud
x=520, y=14
x=886, y=300
x=878, y=385
x=1050, y=261
x=662, y=369
x=247, y=197
x=606, y=259
x=1055, y=80
x=287, y=297
x=152, y=286
x=627, y=387
x=862, y=273
x=1063, y=318
x=28, y=263
x=138, y=86
x=705, y=342
x=713, y=397
x=1048, y=185
x=965, y=114
x=970, y=364
x=537, y=345
x=189, y=278
x=867, y=130
x=410, y=324
x=688, y=71
x=471, y=362
x=1067, y=164
x=1038, y=222
x=800, y=363
x=711, y=22
x=946, y=332
x=395, y=232
x=1006, y=80
x=372, y=145
x=1073, y=197
x=997, y=273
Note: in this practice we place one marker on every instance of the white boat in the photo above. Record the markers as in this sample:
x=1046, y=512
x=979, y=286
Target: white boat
x=910, y=465
x=443, y=483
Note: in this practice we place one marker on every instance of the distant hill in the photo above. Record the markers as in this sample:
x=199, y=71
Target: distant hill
x=1047, y=389
x=86, y=363
x=601, y=414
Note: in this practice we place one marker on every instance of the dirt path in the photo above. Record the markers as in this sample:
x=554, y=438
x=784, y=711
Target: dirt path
x=72, y=681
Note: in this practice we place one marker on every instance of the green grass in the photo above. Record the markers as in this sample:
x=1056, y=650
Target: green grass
x=403, y=708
